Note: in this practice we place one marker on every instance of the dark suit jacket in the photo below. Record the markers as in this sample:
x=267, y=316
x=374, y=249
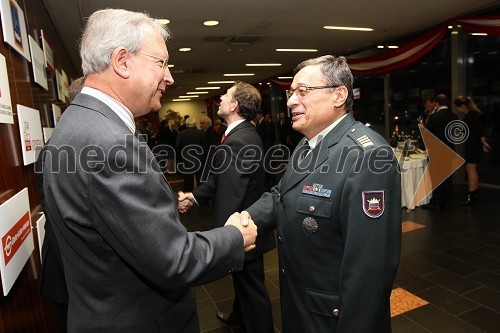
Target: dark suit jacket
x=52, y=280
x=128, y=260
x=237, y=181
x=211, y=136
x=332, y=255
x=265, y=129
x=437, y=124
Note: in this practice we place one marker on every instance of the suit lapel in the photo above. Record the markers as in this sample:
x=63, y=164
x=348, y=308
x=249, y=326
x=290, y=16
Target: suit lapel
x=316, y=158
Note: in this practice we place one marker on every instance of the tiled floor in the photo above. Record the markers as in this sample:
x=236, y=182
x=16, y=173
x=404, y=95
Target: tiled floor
x=449, y=272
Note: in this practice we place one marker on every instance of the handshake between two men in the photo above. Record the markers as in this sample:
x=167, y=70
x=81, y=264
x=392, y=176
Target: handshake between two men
x=242, y=220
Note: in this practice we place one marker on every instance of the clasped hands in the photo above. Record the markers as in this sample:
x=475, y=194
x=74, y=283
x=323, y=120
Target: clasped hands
x=242, y=220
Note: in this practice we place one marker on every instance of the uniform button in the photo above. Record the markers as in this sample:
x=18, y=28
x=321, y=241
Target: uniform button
x=279, y=195
x=280, y=239
x=312, y=209
x=336, y=312
x=283, y=271
x=353, y=130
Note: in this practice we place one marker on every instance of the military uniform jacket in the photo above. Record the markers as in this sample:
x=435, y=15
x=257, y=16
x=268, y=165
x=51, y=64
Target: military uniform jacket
x=338, y=250
x=128, y=260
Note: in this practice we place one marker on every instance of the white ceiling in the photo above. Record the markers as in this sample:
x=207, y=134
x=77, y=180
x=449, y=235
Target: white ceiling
x=277, y=23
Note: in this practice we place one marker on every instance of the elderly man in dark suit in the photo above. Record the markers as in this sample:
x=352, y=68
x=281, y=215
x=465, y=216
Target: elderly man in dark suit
x=128, y=261
x=237, y=181
x=191, y=146
x=337, y=211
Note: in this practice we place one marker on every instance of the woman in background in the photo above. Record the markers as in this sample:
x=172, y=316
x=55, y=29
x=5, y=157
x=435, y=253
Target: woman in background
x=474, y=145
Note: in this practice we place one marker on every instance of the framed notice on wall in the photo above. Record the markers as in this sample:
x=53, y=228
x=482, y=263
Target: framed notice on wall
x=14, y=28
x=56, y=113
x=60, y=86
x=30, y=129
x=6, y=115
x=16, y=237
x=38, y=62
x=47, y=52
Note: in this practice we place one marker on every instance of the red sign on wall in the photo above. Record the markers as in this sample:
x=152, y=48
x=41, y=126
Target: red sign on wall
x=15, y=237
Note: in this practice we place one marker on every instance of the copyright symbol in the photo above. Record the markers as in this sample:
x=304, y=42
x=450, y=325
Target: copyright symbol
x=456, y=132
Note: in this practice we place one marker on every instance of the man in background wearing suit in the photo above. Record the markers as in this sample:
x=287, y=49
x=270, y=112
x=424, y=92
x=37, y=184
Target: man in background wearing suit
x=210, y=133
x=337, y=211
x=129, y=262
x=191, y=146
x=236, y=182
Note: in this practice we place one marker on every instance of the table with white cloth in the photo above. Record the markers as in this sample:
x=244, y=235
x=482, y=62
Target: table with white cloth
x=412, y=173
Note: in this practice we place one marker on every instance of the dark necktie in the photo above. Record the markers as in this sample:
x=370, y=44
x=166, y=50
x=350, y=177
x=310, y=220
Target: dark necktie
x=305, y=150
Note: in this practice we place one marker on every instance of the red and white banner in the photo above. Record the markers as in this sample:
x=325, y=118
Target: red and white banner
x=16, y=236
x=485, y=24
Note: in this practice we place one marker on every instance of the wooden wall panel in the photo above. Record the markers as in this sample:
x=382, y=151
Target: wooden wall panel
x=23, y=310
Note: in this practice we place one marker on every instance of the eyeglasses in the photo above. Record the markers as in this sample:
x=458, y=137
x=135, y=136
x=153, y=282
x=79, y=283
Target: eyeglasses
x=304, y=90
x=164, y=62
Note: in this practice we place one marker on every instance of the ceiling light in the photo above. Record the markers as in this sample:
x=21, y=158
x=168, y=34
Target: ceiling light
x=181, y=99
x=219, y=82
x=185, y=49
x=163, y=21
x=393, y=47
x=170, y=65
x=380, y=46
x=450, y=27
x=196, y=92
x=479, y=34
x=262, y=65
x=189, y=96
x=285, y=77
x=296, y=50
x=210, y=23
x=331, y=27
x=207, y=88
x=240, y=74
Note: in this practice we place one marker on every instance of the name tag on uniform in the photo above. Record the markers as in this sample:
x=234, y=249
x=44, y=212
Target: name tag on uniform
x=317, y=190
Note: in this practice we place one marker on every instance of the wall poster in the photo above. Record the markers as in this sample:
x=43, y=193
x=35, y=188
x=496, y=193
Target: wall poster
x=14, y=28
x=6, y=115
x=56, y=113
x=47, y=52
x=30, y=128
x=16, y=236
x=38, y=63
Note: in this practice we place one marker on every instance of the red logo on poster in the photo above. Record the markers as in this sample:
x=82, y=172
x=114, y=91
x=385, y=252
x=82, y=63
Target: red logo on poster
x=14, y=238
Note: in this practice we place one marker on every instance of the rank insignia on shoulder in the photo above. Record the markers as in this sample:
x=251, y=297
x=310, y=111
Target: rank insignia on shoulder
x=373, y=203
x=317, y=190
x=364, y=141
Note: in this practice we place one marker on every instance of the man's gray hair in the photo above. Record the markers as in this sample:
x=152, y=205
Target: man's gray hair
x=207, y=120
x=191, y=122
x=109, y=29
x=335, y=72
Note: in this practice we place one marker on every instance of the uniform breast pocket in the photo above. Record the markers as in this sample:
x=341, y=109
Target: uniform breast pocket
x=316, y=206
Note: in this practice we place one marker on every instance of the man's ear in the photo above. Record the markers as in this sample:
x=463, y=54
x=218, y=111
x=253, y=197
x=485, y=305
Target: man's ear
x=234, y=105
x=341, y=96
x=119, y=61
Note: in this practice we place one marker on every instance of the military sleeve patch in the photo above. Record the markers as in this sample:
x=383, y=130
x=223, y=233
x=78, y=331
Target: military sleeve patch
x=373, y=203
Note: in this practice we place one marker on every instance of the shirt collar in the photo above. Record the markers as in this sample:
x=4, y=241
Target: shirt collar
x=233, y=125
x=121, y=110
x=315, y=140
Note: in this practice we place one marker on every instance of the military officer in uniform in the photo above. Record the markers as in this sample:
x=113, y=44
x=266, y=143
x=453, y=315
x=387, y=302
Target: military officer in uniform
x=337, y=211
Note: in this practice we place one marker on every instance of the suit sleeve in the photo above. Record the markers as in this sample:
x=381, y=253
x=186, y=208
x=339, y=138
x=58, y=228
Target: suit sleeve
x=264, y=211
x=136, y=214
x=372, y=245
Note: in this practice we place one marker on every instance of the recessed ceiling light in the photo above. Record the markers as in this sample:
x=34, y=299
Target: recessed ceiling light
x=188, y=96
x=479, y=34
x=262, y=65
x=185, y=49
x=163, y=21
x=181, y=99
x=331, y=27
x=380, y=46
x=296, y=50
x=219, y=82
x=196, y=92
x=210, y=23
x=285, y=77
x=170, y=65
x=240, y=74
x=450, y=27
x=393, y=47
x=207, y=88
